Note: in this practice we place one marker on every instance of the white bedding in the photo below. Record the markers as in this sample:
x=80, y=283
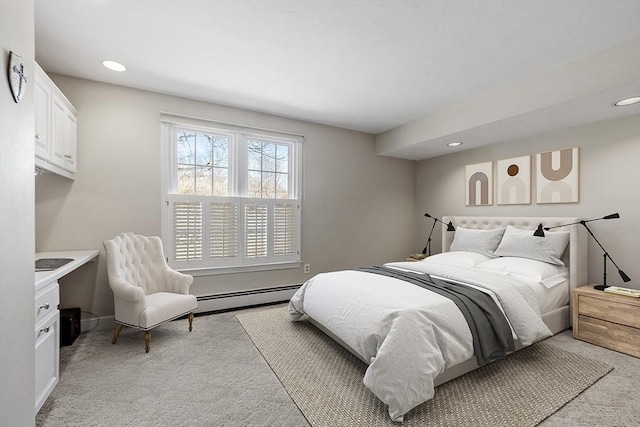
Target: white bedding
x=409, y=335
x=548, y=299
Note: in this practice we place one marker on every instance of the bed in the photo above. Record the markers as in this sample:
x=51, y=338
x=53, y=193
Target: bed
x=414, y=339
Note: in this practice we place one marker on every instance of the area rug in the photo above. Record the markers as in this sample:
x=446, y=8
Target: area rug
x=325, y=381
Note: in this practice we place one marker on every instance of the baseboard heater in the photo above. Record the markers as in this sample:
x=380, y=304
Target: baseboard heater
x=237, y=299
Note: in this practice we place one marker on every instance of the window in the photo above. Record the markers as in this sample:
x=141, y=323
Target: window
x=203, y=163
x=232, y=197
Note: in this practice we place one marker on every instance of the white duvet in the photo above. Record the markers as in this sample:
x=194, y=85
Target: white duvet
x=409, y=335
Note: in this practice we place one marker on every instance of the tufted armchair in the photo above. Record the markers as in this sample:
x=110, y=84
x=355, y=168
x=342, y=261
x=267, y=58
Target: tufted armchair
x=146, y=291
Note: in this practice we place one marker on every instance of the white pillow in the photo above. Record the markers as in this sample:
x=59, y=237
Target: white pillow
x=480, y=241
x=459, y=258
x=547, y=274
x=523, y=244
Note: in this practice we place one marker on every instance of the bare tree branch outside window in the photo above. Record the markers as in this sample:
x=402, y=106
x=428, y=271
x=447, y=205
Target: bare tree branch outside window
x=268, y=170
x=203, y=164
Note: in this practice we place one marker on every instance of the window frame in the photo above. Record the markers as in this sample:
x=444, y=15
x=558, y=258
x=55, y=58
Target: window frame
x=242, y=153
x=238, y=193
x=171, y=151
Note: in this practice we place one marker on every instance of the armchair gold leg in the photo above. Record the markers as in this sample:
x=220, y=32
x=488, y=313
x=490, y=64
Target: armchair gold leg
x=116, y=333
x=147, y=341
x=190, y=322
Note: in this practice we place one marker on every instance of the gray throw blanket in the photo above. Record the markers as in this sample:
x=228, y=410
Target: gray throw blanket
x=492, y=337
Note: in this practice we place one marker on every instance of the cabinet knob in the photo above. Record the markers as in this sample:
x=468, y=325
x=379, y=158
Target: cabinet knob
x=45, y=306
x=45, y=330
x=37, y=136
x=68, y=156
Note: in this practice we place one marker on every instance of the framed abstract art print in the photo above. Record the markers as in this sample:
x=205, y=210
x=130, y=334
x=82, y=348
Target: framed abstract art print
x=513, y=181
x=558, y=176
x=479, y=184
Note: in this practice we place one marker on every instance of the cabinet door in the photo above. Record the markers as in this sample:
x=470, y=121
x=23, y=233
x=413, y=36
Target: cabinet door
x=58, y=132
x=63, y=146
x=71, y=141
x=43, y=119
x=47, y=357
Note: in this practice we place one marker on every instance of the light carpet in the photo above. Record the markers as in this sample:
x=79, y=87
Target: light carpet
x=325, y=381
x=211, y=377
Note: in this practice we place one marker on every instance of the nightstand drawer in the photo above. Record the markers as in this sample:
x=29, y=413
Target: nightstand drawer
x=612, y=335
x=609, y=310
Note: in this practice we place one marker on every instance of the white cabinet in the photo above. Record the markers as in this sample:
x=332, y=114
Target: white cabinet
x=47, y=332
x=47, y=342
x=56, y=123
x=43, y=118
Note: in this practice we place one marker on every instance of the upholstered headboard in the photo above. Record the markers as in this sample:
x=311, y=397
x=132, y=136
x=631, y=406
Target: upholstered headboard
x=575, y=256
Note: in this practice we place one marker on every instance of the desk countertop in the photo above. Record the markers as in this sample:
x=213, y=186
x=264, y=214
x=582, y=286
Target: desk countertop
x=80, y=258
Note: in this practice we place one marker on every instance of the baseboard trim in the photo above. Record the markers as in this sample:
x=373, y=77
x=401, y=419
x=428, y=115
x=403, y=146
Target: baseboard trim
x=248, y=298
x=213, y=302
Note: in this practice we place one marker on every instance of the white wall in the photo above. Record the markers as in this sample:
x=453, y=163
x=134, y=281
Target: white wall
x=358, y=209
x=17, y=286
x=609, y=182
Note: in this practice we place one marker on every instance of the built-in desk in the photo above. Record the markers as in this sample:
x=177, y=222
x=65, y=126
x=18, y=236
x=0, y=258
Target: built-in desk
x=47, y=325
x=80, y=258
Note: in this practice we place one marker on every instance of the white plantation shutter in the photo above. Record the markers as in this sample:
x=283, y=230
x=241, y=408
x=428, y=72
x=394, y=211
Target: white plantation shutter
x=284, y=229
x=223, y=230
x=256, y=230
x=187, y=236
x=210, y=231
x=204, y=230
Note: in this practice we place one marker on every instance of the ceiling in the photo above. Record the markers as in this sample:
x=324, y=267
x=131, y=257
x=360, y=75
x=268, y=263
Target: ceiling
x=369, y=66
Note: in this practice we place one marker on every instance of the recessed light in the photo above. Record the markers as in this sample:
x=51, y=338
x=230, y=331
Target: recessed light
x=628, y=101
x=113, y=65
x=454, y=144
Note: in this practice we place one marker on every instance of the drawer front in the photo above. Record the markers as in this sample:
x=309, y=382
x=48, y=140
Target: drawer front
x=47, y=301
x=47, y=336
x=611, y=335
x=612, y=311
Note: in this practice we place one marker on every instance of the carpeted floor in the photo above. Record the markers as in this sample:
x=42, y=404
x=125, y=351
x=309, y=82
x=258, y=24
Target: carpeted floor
x=215, y=376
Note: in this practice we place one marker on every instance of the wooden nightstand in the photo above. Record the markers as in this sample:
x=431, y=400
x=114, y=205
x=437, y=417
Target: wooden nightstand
x=607, y=320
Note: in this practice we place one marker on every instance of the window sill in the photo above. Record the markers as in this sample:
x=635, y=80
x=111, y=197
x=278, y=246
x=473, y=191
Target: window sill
x=213, y=271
